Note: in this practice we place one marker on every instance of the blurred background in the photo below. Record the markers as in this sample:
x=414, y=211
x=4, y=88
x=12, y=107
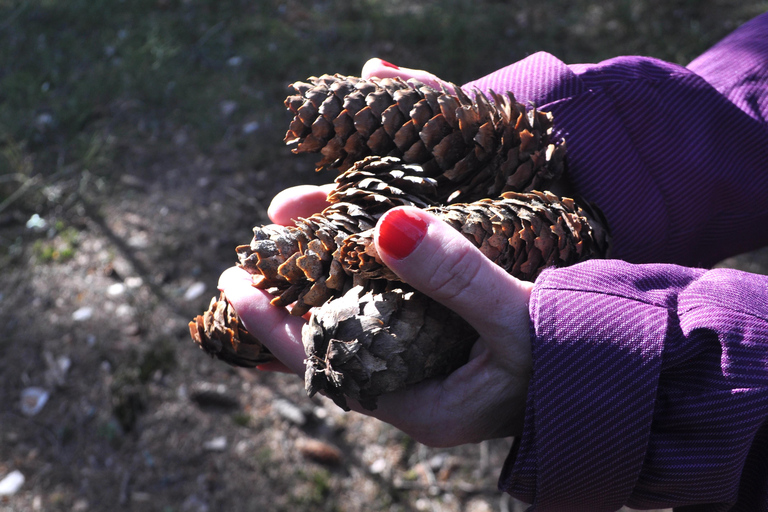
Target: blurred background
x=140, y=140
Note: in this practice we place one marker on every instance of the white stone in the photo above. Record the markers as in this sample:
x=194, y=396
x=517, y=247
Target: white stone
x=133, y=282
x=378, y=466
x=82, y=314
x=11, y=484
x=194, y=291
x=217, y=444
x=116, y=289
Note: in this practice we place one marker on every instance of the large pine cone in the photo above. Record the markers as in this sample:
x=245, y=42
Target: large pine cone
x=298, y=264
x=363, y=345
x=475, y=149
x=522, y=233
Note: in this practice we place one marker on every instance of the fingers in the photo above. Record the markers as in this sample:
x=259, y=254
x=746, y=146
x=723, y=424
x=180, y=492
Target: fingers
x=274, y=327
x=382, y=69
x=438, y=261
x=299, y=201
x=478, y=401
x=485, y=398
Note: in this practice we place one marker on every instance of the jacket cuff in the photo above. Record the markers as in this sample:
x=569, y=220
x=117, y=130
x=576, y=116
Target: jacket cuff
x=591, y=398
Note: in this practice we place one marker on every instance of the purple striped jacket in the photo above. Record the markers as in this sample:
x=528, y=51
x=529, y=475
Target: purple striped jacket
x=650, y=381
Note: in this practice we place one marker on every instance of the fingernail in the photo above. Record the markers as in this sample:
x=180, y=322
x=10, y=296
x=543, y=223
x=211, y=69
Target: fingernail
x=388, y=64
x=400, y=231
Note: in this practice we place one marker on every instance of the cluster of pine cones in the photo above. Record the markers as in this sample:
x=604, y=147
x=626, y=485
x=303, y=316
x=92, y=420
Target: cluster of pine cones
x=481, y=164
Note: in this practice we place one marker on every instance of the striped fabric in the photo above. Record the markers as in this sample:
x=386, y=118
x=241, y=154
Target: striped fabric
x=650, y=382
x=678, y=168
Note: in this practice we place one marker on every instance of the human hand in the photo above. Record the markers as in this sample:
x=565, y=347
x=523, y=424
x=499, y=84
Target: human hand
x=483, y=399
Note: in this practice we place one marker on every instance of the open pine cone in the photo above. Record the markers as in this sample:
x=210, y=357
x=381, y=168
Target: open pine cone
x=475, y=149
x=402, y=143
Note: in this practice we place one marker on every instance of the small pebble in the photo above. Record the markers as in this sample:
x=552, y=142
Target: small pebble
x=44, y=121
x=250, y=127
x=217, y=444
x=64, y=363
x=116, y=289
x=289, y=411
x=243, y=446
x=195, y=291
x=437, y=461
x=11, y=484
x=138, y=241
x=82, y=314
x=80, y=505
x=378, y=466
x=124, y=310
x=133, y=282
x=227, y=107
x=33, y=400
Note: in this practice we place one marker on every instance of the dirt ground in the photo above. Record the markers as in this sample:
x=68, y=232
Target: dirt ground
x=113, y=236
x=139, y=419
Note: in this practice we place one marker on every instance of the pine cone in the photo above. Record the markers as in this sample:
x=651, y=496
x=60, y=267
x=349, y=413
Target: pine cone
x=221, y=333
x=363, y=345
x=475, y=149
x=522, y=233
x=296, y=264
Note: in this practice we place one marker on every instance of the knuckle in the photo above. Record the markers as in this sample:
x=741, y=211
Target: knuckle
x=454, y=273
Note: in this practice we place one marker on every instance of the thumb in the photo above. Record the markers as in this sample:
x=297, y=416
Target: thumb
x=382, y=69
x=437, y=260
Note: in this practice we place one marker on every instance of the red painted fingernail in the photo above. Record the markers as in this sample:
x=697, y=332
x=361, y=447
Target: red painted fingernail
x=400, y=232
x=388, y=64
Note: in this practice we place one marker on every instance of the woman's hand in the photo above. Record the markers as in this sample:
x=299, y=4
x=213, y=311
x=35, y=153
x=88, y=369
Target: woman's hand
x=483, y=399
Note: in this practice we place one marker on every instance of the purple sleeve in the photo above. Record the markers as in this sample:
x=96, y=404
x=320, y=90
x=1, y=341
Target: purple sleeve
x=650, y=382
x=676, y=157
x=649, y=389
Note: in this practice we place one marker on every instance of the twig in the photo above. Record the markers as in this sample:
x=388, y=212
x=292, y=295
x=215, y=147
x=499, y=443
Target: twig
x=15, y=176
x=19, y=192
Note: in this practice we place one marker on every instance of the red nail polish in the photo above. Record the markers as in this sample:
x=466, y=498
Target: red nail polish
x=388, y=64
x=400, y=232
